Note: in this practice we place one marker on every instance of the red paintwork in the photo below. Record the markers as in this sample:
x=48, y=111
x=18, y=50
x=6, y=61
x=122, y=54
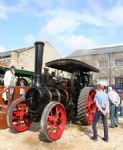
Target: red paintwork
x=56, y=122
x=91, y=106
x=3, y=111
x=19, y=120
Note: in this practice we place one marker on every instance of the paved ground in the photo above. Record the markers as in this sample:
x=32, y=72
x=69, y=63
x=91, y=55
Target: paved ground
x=76, y=137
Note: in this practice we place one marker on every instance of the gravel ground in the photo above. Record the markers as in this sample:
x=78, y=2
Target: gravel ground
x=76, y=137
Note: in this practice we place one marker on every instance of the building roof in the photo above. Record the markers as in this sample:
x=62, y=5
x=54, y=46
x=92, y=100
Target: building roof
x=18, y=50
x=8, y=53
x=5, y=54
x=97, y=51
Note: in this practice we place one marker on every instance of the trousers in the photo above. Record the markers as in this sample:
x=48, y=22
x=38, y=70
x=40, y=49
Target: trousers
x=97, y=116
x=113, y=115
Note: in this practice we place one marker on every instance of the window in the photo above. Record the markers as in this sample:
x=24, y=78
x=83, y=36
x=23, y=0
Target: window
x=119, y=63
x=119, y=81
x=104, y=80
x=103, y=64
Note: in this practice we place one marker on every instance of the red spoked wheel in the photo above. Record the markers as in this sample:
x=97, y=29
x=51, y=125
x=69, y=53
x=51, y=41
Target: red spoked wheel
x=18, y=117
x=53, y=121
x=86, y=105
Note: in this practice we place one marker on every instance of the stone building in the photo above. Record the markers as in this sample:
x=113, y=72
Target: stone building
x=108, y=59
x=24, y=58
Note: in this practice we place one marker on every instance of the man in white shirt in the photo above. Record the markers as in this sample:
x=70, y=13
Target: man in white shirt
x=9, y=80
x=114, y=103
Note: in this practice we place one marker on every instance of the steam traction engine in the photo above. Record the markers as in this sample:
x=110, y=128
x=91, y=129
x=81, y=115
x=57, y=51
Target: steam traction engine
x=53, y=102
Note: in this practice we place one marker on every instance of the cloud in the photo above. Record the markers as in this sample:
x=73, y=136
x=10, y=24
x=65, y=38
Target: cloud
x=66, y=43
x=60, y=29
x=2, y=48
x=6, y=9
x=114, y=15
x=44, y=4
x=60, y=24
x=65, y=21
x=30, y=38
x=65, y=26
x=3, y=11
x=78, y=42
x=75, y=42
x=110, y=16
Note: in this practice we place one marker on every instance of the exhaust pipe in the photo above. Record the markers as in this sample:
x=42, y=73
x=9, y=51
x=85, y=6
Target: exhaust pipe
x=39, y=48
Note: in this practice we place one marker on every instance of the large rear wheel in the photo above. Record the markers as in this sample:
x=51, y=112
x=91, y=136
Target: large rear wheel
x=86, y=105
x=18, y=117
x=53, y=121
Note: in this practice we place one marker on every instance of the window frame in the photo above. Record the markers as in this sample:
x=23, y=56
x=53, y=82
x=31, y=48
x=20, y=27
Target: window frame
x=103, y=64
x=119, y=63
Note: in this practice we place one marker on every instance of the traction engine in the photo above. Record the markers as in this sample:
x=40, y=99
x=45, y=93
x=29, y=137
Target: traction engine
x=54, y=102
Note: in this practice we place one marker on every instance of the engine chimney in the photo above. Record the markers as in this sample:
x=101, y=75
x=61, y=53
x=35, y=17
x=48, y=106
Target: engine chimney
x=39, y=47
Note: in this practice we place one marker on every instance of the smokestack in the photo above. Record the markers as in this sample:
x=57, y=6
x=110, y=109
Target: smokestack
x=39, y=48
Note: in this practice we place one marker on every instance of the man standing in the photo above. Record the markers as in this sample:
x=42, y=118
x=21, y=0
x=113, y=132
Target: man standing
x=114, y=103
x=102, y=103
x=9, y=80
x=121, y=103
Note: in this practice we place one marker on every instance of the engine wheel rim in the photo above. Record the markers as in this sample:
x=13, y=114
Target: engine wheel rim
x=21, y=120
x=56, y=122
x=90, y=106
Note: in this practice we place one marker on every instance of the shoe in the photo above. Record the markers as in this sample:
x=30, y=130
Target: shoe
x=105, y=139
x=111, y=126
x=116, y=125
x=67, y=125
x=94, y=139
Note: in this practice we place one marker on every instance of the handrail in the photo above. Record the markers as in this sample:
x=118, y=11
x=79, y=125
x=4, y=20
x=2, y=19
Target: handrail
x=16, y=94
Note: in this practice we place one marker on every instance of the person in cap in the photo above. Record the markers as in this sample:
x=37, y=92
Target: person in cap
x=9, y=80
x=114, y=104
x=46, y=75
x=102, y=103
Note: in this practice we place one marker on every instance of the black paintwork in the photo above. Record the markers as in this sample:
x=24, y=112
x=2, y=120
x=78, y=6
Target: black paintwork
x=70, y=65
x=44, y=91
x=38, y=63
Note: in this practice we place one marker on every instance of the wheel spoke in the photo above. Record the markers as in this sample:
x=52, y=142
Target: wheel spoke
x=91, y=106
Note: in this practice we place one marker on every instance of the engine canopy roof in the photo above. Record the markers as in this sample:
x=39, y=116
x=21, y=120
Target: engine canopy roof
x=70, y=65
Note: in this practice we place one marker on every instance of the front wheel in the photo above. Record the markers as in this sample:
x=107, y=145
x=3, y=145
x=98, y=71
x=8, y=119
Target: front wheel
x=18, y=116
x=53, y=121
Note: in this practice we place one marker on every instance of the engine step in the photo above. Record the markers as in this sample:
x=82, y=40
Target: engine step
x=4, y=108
x=3, y=116
x=3, y=120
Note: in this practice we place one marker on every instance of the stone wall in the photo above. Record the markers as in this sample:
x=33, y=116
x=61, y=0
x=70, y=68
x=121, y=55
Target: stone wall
x=25, y=58
x=94, y=60
x=5, y=62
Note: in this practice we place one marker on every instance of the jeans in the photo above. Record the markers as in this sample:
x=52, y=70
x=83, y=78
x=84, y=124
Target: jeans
x=121, y=110
x=113, y=115
x=11, y=94
x=97, y=116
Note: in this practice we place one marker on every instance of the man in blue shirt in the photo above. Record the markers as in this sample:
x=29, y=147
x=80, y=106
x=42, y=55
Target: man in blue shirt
x=102, y=103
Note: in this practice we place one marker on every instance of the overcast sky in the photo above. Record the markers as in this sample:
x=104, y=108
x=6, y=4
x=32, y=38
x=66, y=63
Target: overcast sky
x=67, y=24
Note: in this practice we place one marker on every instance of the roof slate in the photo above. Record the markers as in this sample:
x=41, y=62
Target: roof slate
x=96, y=51
x=8, y=53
